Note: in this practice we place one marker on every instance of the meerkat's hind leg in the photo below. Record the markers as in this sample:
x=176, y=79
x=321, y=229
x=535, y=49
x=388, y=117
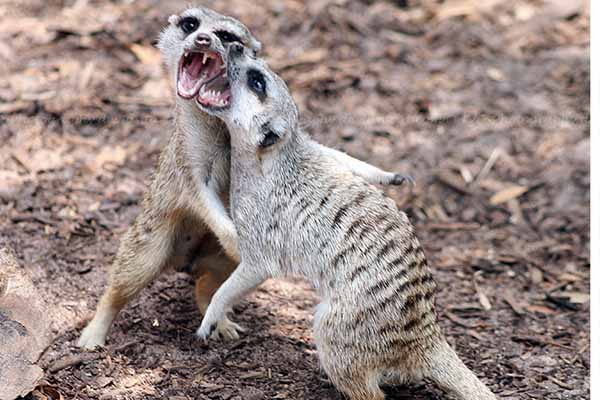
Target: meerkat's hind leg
x=144, y=252
x=357, y=386
x=94, y=334
x=346, y=367
x=242, y=281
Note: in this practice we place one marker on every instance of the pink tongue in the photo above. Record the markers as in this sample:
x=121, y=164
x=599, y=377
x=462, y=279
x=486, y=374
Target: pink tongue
x=189, y=76
x=186, y=82
x=195, y=65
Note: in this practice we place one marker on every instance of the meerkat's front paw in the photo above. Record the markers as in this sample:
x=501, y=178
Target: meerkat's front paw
x=225, y=329
x=399, y=179
x=206, y=329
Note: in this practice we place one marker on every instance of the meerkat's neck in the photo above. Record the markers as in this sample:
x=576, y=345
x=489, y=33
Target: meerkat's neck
x=247, y=160
x=196, y=125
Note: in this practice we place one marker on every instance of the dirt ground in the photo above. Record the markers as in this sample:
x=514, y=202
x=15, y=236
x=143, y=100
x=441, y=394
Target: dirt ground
x=485, y=103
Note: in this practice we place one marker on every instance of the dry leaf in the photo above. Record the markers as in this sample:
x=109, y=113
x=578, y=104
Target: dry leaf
x=496, y=74
x=15, y=106
x=575, y=297
x=155, y=88
x=47, y=392
x=536, y=275
x=540, y=309
x=514, y=305
x=507, y=194
x=146, y=54
x=10, y=184
x=567, y=277
x=111, y=155
x=42, y=159
x=484, y=301
x=524, y=12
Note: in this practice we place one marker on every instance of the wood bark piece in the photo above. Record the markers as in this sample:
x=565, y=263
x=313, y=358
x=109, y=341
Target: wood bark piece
x=24, y=329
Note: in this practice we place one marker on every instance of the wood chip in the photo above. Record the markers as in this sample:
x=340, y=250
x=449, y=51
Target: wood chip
x=534, y=308
x=507, y=194
x=462, y=322
x=514, y=305
x=451, y=226
x=72, y=360
x=15, y=106
x=574, y=297
x=562, y=384
x=252, y=374
x=484, y=300
x=146, y=54
x=536, y=275
x=453, y=181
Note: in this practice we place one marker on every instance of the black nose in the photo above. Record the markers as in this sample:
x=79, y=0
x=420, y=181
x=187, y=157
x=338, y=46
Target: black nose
x=236, y=49
x=203, y=40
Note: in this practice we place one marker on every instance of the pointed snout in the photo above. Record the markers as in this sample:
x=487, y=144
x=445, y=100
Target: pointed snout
x=203, y=40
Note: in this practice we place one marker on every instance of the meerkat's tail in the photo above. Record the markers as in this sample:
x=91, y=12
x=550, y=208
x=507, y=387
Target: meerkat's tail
x=452, y=375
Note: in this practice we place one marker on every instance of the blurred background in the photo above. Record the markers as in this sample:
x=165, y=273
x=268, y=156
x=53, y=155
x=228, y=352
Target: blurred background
x=485, y=103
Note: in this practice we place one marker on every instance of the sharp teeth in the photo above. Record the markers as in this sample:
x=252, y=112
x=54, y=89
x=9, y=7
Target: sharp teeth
x=205, y=56
x=224, y=74
x=203, y=89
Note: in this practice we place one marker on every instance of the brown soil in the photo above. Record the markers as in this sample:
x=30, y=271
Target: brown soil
x=487, y=106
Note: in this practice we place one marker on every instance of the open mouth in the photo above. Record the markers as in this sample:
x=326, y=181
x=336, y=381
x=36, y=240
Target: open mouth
x=203, y=75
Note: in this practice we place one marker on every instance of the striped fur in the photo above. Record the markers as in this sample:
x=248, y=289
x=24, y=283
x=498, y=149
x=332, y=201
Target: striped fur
x=182, y=209
x=296, y=213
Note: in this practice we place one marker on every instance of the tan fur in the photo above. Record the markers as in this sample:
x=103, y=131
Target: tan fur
x=178, y=211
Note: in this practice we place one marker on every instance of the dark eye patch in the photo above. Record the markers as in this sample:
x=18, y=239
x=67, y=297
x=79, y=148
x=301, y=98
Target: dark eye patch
x=257, y=83
x=228, y=37
x=189, y=24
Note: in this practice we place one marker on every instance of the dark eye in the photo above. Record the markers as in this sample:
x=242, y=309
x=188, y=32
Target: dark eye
x=256, y=82
x=227, y=37
x=189, y=24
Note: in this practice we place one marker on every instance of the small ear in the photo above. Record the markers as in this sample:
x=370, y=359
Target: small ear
x=269, y=138
x=272, y=132
x=174, y=20
x=257, y=47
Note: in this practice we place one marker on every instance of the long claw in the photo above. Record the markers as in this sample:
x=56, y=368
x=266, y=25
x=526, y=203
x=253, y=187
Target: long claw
x=399, y=179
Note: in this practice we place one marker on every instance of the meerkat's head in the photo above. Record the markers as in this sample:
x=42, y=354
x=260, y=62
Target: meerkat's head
x=261, y=111
x=194, y=46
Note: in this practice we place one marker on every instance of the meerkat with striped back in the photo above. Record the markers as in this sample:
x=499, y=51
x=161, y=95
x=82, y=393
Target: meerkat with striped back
x=297, y=214
x=182, y=212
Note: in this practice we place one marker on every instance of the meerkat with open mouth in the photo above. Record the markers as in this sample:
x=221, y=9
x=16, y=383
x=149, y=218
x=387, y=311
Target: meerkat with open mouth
x=183, y=210
x=297, y=214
